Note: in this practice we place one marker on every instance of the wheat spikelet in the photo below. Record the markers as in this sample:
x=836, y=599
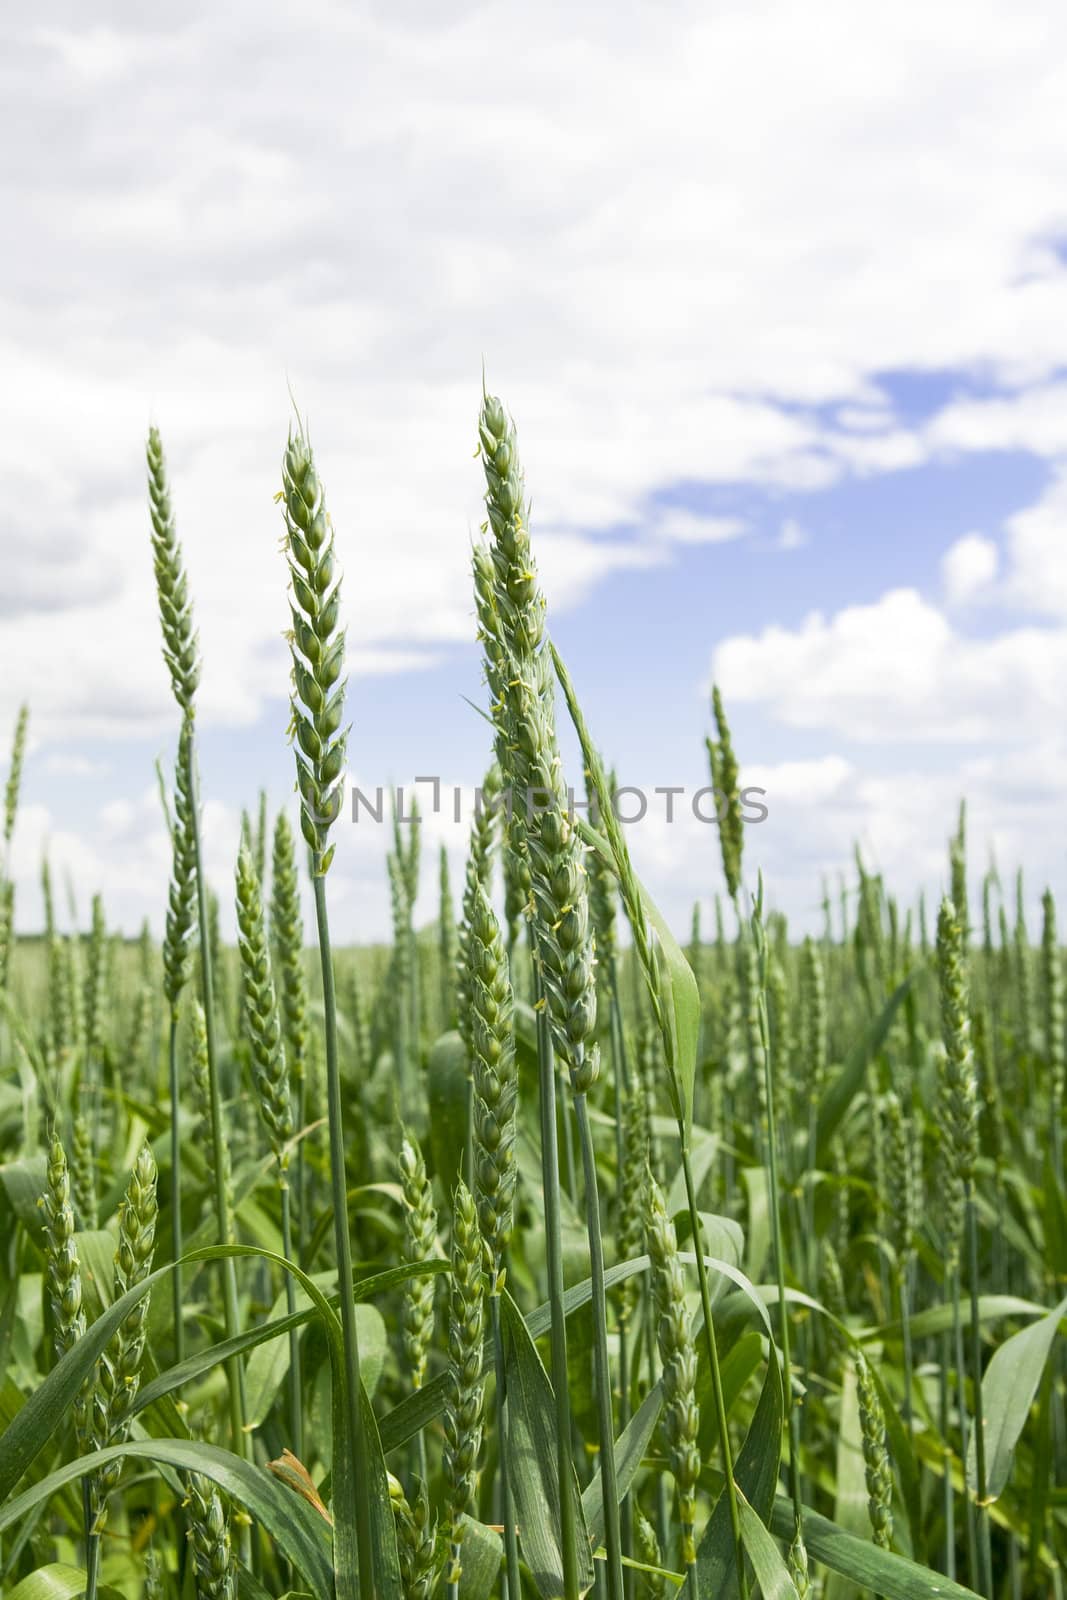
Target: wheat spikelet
x=797, y=1564
x=466, y=1333
x=63, y=1275
x=877, y=1470
x=14, y=774
x=725, y=775
x=287, y=931
x=83, y=1172
x=957, y=856
x=495, y=1081
x=269, y=1065
x=1052, y=976
x=199, y=1078
x=117, y=1375
x=209, y=1534
x=813, y=1049
x=630, y=1222
x=317, y=644
x=416, y=1541
x=649, y=1553
x=957, y=1104
x=420, y=1244
x=180, y=643
x=681, y=1414
x=478, y=876
x=525, y=716
x=447, y=937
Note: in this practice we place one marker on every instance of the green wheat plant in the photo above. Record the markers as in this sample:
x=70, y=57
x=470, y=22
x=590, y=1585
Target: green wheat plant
x=628, y=1262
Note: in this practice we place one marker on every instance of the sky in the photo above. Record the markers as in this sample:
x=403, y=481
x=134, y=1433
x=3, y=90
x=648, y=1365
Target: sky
x=777, y=298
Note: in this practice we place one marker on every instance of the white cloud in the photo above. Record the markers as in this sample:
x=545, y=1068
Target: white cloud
x=791, y=535
x=653, y=307
x=677, y=274
x=894, y=672
x=67, y=764
x=680, y=526
x=968, y=567
x=1037, y=541
x=1034, y=420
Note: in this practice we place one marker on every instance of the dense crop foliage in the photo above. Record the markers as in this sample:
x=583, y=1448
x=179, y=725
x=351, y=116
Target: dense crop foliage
x=531, y=1253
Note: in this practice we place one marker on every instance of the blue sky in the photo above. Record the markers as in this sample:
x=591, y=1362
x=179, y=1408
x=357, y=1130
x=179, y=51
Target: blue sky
x=785, y=364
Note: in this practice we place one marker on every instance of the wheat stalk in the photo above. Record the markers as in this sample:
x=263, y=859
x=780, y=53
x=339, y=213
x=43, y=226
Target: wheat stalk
x=317, y=644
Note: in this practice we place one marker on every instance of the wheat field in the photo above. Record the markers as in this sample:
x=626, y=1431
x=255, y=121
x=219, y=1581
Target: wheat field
x=545, y=1250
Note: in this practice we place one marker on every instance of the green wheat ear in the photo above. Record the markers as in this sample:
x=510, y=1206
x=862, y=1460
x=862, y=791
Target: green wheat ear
x=495, y=1082
x=478, y=877
x=876, y=1465
x=318, y=644
x=209, y=1534
x=516, y=654
x=957, y=1105
x=180, y=642
x=416, y=1541
x=287, y=931
x=181, y=895
x=269, y=1065
x=14, y=772
x=466, y=1333
x=63, y=1277
x=118, y=1372
x=681, y=1413
x=420, y=1244
x=725, y=776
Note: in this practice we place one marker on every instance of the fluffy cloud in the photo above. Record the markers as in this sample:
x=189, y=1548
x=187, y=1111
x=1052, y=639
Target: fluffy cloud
x=968, y=567
x=676, y=239
x=895, y=672
x=1038, y=545
x=663, y=271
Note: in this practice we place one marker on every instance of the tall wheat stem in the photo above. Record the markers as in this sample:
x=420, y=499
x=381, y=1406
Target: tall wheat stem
x=511, y=1543
x=234, y=1371
x=759, y=937
x=985, y=1563
x=174, y=1083
x=339, y=1190
x=546, y=1077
